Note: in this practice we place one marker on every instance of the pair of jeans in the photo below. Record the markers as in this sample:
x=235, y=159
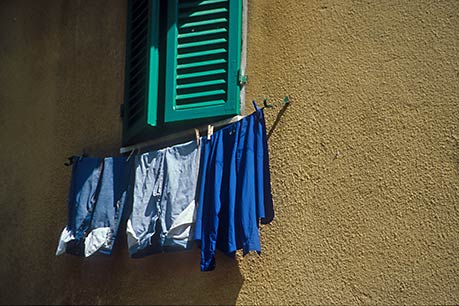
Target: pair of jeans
x=163, y=208
x=234, y=189
x=98, y=194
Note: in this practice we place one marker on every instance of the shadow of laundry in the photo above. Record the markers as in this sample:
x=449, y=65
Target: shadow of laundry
x=165, y=278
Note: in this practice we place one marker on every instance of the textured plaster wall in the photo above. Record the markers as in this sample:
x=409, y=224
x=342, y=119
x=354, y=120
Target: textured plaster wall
x=364, y=161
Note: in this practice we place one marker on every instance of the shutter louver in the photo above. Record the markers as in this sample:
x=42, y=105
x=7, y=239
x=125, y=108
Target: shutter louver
x=203, y=59
x=141, y=67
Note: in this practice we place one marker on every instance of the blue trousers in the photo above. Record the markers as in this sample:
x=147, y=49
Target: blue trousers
x=99, y=190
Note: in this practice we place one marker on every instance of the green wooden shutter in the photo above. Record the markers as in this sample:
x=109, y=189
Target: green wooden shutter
x=141, y=77
x=203, y=58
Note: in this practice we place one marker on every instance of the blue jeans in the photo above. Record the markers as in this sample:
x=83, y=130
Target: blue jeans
x=98, y=194
x=163, y=209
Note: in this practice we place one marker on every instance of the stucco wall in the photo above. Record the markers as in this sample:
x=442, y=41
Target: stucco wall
x=364, y=160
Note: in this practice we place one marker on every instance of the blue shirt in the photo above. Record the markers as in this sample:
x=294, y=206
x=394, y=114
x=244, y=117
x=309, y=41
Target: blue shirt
x=234, y=191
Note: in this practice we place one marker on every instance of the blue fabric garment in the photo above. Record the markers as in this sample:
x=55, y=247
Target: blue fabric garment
x=234, y=190
x=98, y=194
x=163, y=210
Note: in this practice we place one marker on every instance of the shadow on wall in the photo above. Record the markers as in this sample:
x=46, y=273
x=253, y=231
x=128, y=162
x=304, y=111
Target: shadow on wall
x=89, y=116
x=62, y=75
x=277, y=120
x=168, y=278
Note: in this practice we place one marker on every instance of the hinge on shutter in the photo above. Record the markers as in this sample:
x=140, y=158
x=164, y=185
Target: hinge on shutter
x=242, y=79
x=122, y=110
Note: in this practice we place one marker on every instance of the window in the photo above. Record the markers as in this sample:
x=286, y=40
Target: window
x=182, y=65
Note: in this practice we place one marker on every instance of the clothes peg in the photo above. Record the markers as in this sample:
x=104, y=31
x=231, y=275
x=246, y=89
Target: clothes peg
x=69, y=161
x=198, y=137
x=130, y=154
x=84, y=153
x=210, y=131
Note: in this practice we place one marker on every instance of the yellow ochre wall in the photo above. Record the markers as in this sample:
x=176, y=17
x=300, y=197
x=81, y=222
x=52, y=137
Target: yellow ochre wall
x=364, y=161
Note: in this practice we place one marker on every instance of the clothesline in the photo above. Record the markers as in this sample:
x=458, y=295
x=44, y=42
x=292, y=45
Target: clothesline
x=189, y=133
x=174, y=136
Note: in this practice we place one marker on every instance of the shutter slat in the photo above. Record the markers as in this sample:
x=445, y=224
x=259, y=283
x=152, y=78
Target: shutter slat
x=137, y=8
x=200, y=74
x=139, y=20
x=201, y=94
x=136, y=53
x=202, y=13
x=136, y=73
x=193, y=4
x=202, y=53
x=203, y=43
x=139, y=49
x=136, y=113
x=140, y=25
x=202, y=33
x=203, y=23
x=214, y=102
x=138, y=65
x=201, y=64
x=139, y=38
x=201, y=84
x=136, y=94
x=136, y=106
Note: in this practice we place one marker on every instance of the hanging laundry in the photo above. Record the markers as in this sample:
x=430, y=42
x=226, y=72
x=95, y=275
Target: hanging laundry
x=98, y=193
x=163, y=208
x=215, y=190
x=234, y=189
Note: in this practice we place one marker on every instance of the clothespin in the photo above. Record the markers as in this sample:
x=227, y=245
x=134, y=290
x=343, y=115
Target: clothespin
x=130, y=154
x=84, y=153
x=198, y=137
x=210, y=131
x=69, y=161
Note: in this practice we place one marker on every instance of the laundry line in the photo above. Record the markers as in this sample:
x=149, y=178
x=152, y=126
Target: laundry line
x=182, y=134
x=188, y=134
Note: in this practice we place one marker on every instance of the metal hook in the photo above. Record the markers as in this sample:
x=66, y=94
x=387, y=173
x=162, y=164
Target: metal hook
x=265, y=103
x=286, y=101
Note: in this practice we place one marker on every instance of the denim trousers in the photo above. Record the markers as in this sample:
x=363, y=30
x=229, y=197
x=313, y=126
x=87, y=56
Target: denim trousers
x=98, y=194
x=163, y=208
